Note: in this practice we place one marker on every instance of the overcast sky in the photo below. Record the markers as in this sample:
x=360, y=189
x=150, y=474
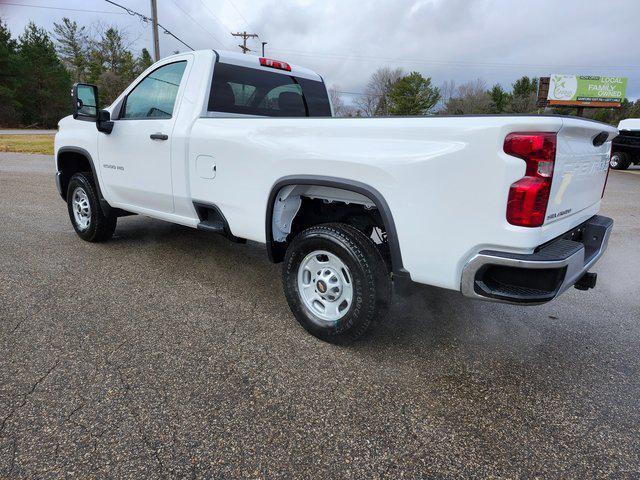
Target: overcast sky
x=345, y=41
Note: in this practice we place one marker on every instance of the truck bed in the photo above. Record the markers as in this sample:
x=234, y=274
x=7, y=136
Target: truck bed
x=446, y=179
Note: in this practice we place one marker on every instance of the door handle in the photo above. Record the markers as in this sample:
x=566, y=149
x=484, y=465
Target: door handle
x=158, y=136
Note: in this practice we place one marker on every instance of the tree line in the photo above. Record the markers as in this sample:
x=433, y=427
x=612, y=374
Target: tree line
x=392, y=92
x=38, y=69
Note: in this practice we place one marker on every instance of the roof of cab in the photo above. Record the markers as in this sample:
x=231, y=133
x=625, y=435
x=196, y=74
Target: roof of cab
x=253, y=61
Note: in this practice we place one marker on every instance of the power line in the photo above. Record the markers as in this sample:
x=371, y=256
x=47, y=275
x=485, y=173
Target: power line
x=196, y=22
x=246, y=22
x=146, y=19
x=59, y=8
x=327, y=55
x=172, y=35
x=127, y=10
x=215, y=17
x=244, y=35
x=238, y=12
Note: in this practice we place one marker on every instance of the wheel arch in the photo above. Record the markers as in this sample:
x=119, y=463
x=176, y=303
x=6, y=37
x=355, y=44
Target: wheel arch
x=71, y=160
x=274, y=249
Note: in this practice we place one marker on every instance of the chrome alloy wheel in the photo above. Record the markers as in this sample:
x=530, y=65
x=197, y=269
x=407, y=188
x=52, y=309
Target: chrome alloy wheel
x=81, y=208
x=615, y=160
x=325, y=285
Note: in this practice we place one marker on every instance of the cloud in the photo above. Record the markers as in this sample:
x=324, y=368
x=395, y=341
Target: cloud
x=346, y=40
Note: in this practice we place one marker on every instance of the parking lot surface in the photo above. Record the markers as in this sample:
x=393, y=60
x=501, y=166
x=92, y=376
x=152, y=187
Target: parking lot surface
x=168, y=352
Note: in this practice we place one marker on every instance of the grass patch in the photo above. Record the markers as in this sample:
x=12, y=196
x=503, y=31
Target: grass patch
x=27, y=144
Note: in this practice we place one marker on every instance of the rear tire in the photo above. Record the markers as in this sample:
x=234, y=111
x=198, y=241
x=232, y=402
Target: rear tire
x=619, y=161
x=336, y=282
x=85, y=212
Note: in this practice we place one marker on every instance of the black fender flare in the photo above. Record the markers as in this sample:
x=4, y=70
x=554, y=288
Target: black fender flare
x=274, y=250
x=106, y=208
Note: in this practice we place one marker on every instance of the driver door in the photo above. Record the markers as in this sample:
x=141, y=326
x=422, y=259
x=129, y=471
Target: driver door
x=136, y=157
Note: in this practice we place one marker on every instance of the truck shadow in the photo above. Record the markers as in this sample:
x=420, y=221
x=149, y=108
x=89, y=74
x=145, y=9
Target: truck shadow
x=424, y=322
x=469, y=352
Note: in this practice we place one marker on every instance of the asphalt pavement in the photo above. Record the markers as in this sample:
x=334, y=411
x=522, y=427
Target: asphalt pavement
x=170, y=353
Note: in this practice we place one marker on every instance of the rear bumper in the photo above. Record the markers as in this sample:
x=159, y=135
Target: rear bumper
x=541, y=276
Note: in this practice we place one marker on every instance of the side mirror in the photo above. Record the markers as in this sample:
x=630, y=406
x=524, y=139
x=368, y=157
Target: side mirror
x=85, y=101
x=104, y=123
x=85, y=107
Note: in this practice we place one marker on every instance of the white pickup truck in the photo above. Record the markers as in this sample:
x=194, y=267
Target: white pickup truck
x=501, y=208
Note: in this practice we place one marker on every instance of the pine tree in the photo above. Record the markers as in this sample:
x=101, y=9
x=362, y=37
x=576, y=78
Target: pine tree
x=9, y=77
x=143, y=62
x=112, y=66
x=523, y=98
x=112, y=50
x=95, y=66
x=525, y=86
x=72, y=47
x=413, y=95
x=499, y=99
x=44, y=96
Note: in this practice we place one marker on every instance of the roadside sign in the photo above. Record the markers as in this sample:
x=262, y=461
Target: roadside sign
x=586, y=91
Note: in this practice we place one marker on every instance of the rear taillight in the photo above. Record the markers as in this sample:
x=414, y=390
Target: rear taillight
x=529, y=196
x=268, y=62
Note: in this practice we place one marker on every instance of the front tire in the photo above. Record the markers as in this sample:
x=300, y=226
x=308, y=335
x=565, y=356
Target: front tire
x=619, y=161
x=336, y=282
x=85, y=212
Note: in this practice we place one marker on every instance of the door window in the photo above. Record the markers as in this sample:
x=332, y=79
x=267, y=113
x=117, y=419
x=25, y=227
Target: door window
x=155, y=96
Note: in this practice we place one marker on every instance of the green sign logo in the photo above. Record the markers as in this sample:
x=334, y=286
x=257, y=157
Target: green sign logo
x=587, y=88
x=564, y=87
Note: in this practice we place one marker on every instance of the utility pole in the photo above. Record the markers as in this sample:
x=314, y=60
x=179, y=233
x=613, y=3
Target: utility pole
x=263, y=44
x=156, y=40
x=245, y=36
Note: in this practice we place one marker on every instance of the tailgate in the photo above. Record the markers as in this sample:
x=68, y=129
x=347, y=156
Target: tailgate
x=580, y=168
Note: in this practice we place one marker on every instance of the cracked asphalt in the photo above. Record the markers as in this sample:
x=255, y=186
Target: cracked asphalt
x=171, y=353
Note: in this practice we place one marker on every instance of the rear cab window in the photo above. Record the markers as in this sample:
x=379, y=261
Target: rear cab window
x=251, y=91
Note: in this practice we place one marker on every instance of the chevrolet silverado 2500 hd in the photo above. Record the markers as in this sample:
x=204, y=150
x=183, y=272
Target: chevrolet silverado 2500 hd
x=501, y=208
